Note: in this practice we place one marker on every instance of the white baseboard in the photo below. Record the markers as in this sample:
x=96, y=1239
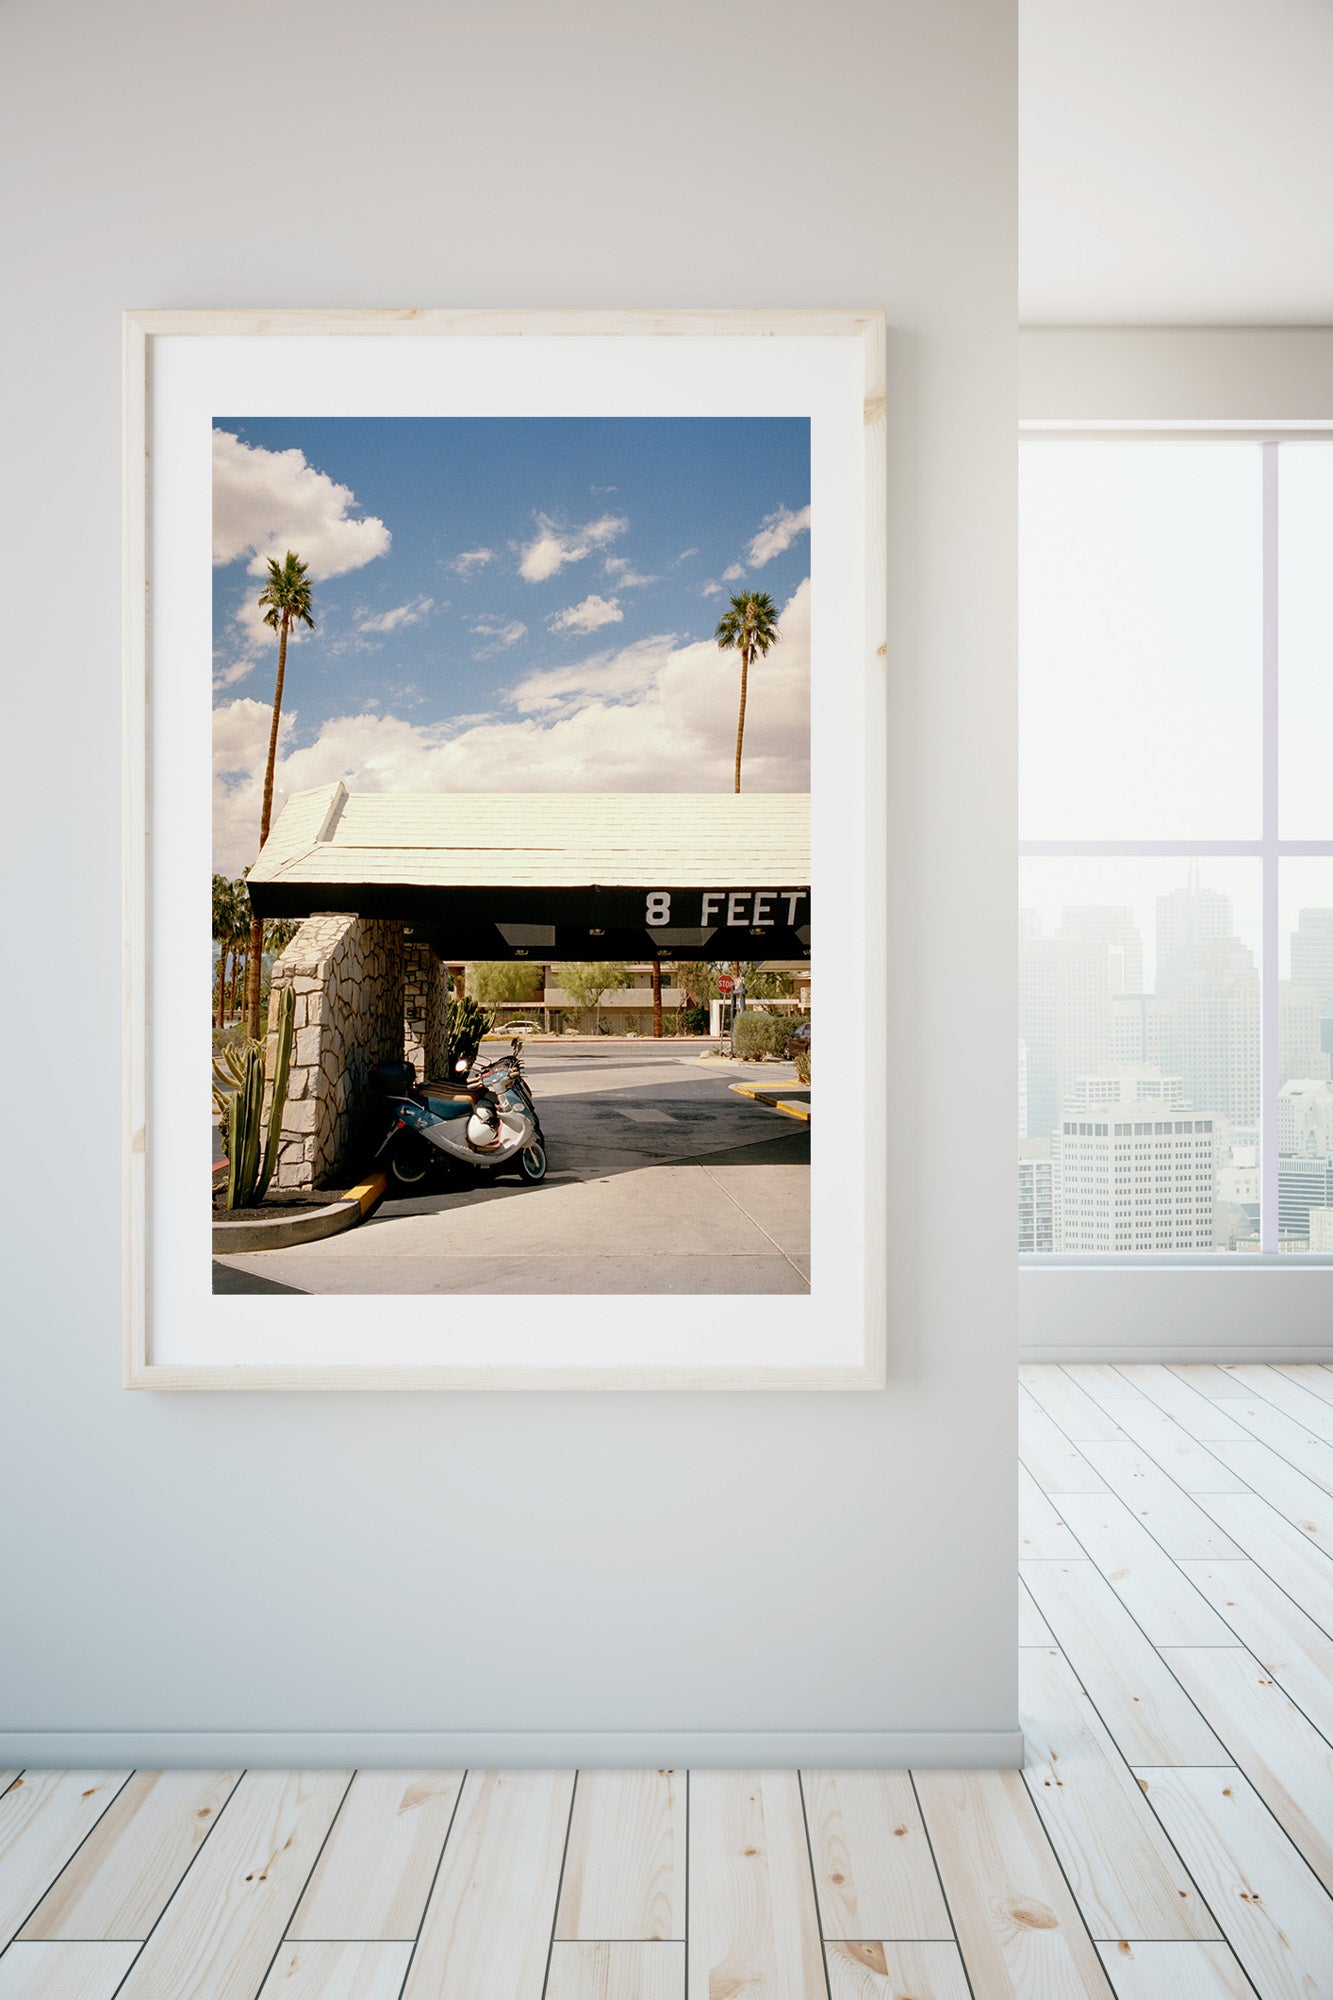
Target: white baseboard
x=1226, y=1310
x=1174, y=1350
x=372, y=1749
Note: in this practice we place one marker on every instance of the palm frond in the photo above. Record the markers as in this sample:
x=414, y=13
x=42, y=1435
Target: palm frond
x=750, y=623
x=286, y=594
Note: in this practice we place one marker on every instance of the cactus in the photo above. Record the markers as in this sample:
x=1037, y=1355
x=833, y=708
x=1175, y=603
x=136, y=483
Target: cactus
x=238, y=1096
x=466, y=1023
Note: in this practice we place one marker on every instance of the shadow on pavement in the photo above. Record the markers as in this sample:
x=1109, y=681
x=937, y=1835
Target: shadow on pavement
x=227, y=1280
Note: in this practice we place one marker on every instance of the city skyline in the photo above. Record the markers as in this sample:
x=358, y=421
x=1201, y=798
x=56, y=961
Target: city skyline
x=1188, y=1036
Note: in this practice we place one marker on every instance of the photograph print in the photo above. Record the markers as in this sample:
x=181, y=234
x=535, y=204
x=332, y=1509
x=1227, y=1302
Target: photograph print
x=511, y=917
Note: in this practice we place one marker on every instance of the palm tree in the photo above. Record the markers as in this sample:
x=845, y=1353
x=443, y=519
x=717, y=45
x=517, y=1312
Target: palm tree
x=750, y=626
x=224, y=937
x=286, y=601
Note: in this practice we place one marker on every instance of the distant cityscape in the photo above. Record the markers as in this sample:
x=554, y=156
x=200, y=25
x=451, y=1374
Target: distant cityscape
x=1139, y=1111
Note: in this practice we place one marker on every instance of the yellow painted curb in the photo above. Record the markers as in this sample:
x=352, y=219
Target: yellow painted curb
x=744, y=1089
x=367, y=1193
x=794, y=1110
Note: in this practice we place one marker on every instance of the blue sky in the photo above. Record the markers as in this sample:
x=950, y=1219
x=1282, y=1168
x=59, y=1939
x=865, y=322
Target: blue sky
x=509, y=602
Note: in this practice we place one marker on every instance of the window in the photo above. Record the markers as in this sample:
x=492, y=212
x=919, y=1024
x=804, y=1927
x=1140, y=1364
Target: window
x=1175, y=928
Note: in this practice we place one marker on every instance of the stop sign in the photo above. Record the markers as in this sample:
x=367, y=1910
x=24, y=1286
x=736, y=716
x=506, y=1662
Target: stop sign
x=726, y=983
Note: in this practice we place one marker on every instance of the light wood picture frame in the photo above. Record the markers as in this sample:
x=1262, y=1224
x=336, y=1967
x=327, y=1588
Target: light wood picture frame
x=184, y=369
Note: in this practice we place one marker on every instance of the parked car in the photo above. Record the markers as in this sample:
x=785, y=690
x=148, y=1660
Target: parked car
x=798, y=1041
x=519, y=1028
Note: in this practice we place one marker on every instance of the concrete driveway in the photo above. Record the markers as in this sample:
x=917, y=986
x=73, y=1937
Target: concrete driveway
x=661, y=1180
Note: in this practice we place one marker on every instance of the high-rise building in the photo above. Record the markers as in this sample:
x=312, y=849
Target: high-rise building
x=1134, y=1175
x=1321, y=1230
x=1036, y=1196
x=1123, y=1083
x=1113, y=925
x=1302, y=1185
x=1299, y=1049
x=1188, y=920
x=1136, y=1028
x=1312, y=958
x=1063, y=1017
x=1210, y=1028
x=1022, y=1090
x=1305, y=1117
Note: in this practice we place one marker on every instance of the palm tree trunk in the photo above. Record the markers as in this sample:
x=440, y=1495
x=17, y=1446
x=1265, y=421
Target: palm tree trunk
x=254, y=966
x=265, y=819
x=657, y=999
x=740, y=720
x=222, y=983
x=266, y=813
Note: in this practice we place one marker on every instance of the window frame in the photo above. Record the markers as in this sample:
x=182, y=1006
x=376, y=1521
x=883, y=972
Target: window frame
x=1269, y=849
x=1183, y=1305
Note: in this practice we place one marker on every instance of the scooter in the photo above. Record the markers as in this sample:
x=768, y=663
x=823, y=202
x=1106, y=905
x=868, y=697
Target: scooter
x=492, y=1126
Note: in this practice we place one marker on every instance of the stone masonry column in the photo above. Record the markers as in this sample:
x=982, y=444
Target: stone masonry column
x=426, y=1009
x=347, y=975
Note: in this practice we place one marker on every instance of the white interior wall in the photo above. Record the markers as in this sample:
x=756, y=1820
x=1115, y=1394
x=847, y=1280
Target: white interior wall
x=519, y=1577
x=1177, y=162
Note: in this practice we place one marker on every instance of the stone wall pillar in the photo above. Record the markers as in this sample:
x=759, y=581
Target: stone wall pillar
x=347, y=976
x=426, y=1009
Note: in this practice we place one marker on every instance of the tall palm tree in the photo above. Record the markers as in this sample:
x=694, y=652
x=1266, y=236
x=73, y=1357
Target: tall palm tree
x=750, y=627
x=224, y=937
x=286, y=600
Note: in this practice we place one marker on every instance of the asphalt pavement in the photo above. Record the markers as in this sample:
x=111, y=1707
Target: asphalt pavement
x=662, y=1180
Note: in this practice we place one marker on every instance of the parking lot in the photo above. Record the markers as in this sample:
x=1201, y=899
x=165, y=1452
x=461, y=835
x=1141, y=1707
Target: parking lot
x=662, y=1180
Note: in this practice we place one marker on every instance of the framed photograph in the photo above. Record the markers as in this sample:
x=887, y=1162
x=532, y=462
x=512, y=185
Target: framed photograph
x=505, y=905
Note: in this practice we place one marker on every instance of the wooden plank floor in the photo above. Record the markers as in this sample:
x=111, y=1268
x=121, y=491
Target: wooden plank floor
x=1170, y=1839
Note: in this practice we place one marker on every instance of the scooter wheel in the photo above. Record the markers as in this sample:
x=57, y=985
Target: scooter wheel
x=532, y=1163
x=410, y=1164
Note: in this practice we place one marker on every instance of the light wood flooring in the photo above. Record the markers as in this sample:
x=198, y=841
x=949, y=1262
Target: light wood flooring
x=1170, y=1839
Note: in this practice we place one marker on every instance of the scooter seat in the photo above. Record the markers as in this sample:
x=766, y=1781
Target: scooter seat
x=450, y=1107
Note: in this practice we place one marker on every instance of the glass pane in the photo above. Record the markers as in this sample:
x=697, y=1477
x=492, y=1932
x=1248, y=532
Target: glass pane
x=1305, y=641
x=1138, y=1099
x=1141, y=641
x=1305, y=1046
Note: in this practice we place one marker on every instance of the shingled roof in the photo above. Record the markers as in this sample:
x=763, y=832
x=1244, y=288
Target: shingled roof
x=533, y=840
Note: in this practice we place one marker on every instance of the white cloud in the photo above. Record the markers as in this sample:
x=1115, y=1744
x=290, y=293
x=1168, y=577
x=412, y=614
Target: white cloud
x=648, y=720
x=684, y=556
x=778, y=532
x=226, y=677
x=500, y=632
x=552, y=546
x=626, y=576
x=601, y=677
x=402, y=614
x=470, y=560
x=732, y=573
x=586, y=617
x=711, y=588
x=266, y=502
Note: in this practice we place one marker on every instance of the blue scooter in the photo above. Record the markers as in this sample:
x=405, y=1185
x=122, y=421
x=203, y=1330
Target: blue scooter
x=493, y=1125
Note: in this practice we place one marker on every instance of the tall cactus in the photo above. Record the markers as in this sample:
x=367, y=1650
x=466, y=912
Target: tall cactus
x=239, y=1088
x=465, y=1024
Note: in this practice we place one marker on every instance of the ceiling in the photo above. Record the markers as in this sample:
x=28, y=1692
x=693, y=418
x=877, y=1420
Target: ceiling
x=1177, y=161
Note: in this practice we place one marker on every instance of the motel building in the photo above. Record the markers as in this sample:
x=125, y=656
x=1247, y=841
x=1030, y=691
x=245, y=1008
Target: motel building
x=628, y=1010
x=392, y=890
